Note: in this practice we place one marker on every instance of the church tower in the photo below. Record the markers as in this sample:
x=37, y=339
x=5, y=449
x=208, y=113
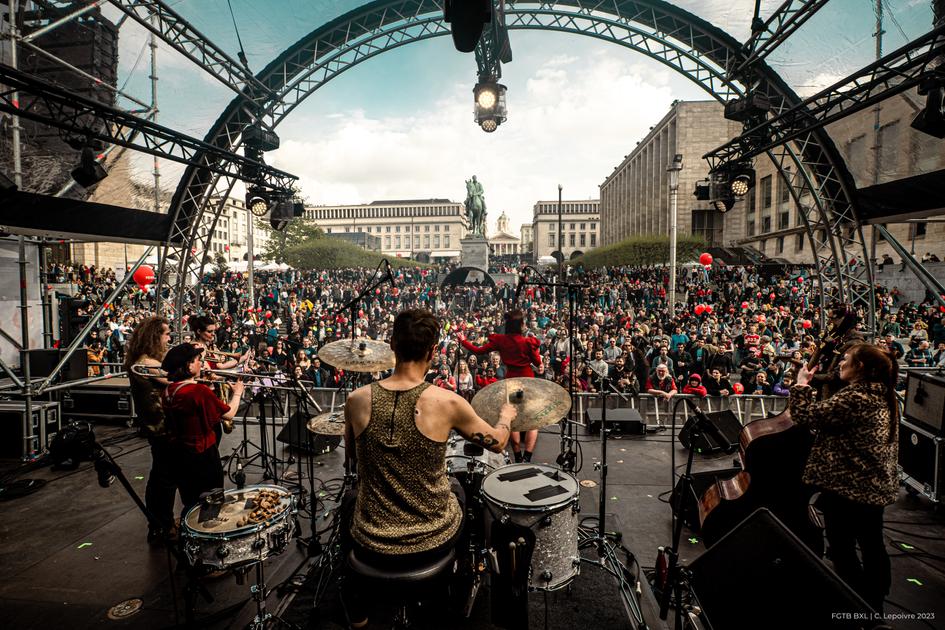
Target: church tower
x=502, y=224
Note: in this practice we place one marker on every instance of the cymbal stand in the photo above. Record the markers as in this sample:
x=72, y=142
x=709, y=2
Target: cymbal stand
x=567, y=456
x=608, y=543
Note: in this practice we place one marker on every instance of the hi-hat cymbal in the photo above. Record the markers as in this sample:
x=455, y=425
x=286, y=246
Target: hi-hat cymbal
x=331, y=423
x=358, y=355
x=540, y=402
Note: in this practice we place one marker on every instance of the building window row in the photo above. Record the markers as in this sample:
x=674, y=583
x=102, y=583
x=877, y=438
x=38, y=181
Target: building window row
x=361, y=212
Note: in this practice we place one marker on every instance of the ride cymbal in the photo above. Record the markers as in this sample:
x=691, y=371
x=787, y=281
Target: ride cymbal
x=358, y=355
x=540, y=402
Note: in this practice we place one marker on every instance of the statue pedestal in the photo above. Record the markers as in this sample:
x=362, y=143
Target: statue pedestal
x=475, y=252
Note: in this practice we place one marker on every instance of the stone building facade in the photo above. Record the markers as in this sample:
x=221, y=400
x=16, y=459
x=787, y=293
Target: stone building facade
x=407, y=228
x=527, y=239
x=635, y=197
x=503, y=242
x=580, y=227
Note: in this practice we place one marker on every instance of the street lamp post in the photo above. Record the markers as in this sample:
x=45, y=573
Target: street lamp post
x=560, y=239
x=673, y=171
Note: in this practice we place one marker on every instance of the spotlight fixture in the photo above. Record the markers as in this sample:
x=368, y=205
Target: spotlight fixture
x=751, y=107
x=283, y=211
x=89, y=171
x=260, y=139
x=489, y=108
x=257, y=201
x=931, y=119
x=741, y=180
x=703, y=191
x=724, y=201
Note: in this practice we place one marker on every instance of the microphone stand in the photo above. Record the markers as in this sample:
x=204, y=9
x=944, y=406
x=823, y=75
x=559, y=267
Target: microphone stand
x=606, y=542
x=566, y=458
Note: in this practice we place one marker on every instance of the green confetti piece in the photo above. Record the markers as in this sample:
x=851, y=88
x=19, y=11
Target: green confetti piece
x=139, y=477
x=915, y=581
x=83, y=545
x=694, y=540
x=321, y=493
x=613, y=498
x=905, y=546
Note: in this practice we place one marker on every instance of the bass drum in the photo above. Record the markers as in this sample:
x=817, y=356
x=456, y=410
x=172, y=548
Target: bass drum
x=542, y=502
x=247, y=526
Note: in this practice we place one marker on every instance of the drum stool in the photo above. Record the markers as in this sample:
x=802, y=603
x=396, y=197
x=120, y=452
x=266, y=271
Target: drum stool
x=403, y=586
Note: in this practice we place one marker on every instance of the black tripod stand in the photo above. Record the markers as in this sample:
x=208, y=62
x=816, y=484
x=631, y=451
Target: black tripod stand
x=607, y=543
x=567, y=456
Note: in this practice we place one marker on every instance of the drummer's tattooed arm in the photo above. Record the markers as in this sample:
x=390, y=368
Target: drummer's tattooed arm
x=486, y=441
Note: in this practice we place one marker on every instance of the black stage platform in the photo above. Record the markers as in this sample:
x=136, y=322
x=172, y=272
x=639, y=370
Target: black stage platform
x=73, y=550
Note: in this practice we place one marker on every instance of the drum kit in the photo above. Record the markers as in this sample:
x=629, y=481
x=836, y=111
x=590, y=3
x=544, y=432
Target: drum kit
x=522, y=519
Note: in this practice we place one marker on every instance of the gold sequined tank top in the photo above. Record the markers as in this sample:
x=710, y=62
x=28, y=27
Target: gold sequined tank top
x=404, y=502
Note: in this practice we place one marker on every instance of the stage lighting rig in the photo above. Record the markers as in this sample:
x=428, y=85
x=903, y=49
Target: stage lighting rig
x=749, y=108
x=257, y=138
x=931, y=119
x=741, y=179
x=489, y=109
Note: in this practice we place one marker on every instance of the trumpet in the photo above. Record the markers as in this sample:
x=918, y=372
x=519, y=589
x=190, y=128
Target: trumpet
x=250, y=379
x=218, y=356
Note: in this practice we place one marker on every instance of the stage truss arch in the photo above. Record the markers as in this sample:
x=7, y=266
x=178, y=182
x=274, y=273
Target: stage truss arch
x=819, y=182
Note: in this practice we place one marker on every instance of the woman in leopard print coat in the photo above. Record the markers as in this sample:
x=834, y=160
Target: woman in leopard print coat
x=853, y=463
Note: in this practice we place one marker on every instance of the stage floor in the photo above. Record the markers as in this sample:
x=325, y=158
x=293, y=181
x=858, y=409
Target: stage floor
x=73, y=550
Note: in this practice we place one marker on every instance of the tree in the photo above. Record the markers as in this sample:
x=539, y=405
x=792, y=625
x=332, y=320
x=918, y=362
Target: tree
x=297, y=232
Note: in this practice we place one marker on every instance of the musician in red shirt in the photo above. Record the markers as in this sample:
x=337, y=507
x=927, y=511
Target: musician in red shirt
x=518, y=354
x=191, y=413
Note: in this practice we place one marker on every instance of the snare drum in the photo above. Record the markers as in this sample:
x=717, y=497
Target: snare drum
x=225, y=535
x=467, y=461
x=544, y=500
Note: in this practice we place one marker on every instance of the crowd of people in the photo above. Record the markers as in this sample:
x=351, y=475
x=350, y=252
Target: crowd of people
x=737, y=330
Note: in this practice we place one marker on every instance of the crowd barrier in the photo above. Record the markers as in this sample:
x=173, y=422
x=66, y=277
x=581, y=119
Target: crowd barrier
x=655, y=411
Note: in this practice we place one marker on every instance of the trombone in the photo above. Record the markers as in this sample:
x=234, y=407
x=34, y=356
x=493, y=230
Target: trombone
x=252, y=380
x=218, y=356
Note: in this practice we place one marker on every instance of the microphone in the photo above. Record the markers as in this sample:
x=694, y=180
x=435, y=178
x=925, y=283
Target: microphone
x=707, y=426
x=390, y=273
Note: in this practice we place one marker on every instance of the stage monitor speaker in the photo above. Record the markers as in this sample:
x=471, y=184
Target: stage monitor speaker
x=296, y=434
x=42, y=362
x=624, y=420
x=925, y=401
x=723, y=437
x=760, y=575
x=700, y=483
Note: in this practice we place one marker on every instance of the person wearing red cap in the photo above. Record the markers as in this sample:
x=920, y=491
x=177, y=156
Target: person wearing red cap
x=518, y=353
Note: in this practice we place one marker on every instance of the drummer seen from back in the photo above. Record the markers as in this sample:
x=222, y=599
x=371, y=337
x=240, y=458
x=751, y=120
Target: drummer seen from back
x=396, y=431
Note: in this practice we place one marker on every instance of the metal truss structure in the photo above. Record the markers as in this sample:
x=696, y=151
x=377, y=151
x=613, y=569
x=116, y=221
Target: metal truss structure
x=24, y=95
x=160, y=19
x=896, y=72
x=819, y=181
x=779, y=26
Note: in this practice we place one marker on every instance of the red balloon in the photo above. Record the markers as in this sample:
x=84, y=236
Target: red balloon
x=705, y=259
x=771, y=297
x=800, y=279
x=744, y=305
x=793, y=289
x=738, y=388
x=708, y=309
x=268, y=314
x=806, y=324
x=143, y=276
x=699, y=309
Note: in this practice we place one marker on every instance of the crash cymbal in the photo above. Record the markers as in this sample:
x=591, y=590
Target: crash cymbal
x=331, y=423
x=358, y=355
x=540, y=402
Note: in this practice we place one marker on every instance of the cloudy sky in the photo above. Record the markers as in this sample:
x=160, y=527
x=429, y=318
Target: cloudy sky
x=400, y=125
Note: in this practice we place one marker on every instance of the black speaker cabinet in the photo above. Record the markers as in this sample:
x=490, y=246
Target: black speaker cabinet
x=925, y=400
x=920, y=458
x=760, y=575
x=723, y=435
x=296, y=434
x=42, y=362
x=700, y=483
x=626, y=421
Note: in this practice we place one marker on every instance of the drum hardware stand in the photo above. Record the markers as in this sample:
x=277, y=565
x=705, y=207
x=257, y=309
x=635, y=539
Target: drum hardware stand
x=567, y=456
x=108, y=470
x=676, y=575
x=607, y=543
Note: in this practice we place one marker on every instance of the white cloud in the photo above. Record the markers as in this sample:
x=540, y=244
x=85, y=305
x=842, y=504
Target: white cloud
x=570, y=122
